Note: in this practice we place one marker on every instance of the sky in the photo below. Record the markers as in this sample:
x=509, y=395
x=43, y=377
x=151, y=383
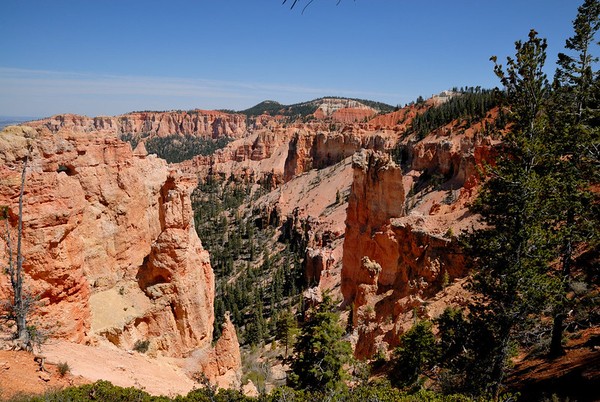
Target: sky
x=109, y=57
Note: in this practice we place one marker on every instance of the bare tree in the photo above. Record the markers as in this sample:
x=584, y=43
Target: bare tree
x=294, y=2
x=21, y=303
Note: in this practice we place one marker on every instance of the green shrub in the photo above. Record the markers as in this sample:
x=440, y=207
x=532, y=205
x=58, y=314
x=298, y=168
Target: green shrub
x=98, y=391
x=141, y=346
x=63, y=368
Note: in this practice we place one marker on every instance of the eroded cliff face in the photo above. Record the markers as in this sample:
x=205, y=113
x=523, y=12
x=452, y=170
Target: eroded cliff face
x=393, y=259
x=222, y=364
x=140, y=125
x=376, y=196
x=343, y=110
x=259, y=156
x=320, y=147
x=109, y=241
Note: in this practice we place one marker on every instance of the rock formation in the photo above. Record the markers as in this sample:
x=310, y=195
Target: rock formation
x=320, y=147
x=222, y=364
x=343, y=110
x=109, y=241
x=391, y=261
x=141, y=125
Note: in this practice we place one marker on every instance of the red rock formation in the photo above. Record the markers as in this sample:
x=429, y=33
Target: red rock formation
x=321, y=148
x=377, y=195
x=352, y=115
x=223, y=363
x=399, y=119
x=343, y=110
x=109, y=241
x=259, y=157
x=199, y=123
x=390, y=263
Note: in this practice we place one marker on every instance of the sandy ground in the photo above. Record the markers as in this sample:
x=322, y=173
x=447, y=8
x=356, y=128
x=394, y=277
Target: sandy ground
x=158, y=376
x=19, y=373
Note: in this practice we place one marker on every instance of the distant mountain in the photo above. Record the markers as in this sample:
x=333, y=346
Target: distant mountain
x=307, y=108
x=13, y=120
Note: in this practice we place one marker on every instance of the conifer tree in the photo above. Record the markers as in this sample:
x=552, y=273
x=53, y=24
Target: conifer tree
x=418, y=351
x=509, y=253
x=573, y=216
x=286, y=329
x=320, y=351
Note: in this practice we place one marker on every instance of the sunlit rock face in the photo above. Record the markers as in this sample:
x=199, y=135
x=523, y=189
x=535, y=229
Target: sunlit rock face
x=109, y=242
x=142, y=125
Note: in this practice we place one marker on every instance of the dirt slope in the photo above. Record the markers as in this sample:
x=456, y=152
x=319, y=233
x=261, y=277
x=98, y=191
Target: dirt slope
x=19, y=373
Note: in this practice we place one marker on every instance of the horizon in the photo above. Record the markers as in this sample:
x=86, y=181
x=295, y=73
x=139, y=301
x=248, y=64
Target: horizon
x=234, y=55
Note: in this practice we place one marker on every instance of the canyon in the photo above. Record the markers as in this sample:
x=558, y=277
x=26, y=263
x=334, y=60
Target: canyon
x=112, y=251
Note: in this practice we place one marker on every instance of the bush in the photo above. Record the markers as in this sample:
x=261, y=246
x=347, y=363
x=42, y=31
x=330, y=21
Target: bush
x=63, y=368
x=98, y=391
x=141, y=346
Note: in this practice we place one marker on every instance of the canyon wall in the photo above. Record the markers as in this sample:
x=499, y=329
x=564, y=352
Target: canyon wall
x=343, y=110
x=393, y=261
x=140, y=125
x=321, y=147
x=109, y=242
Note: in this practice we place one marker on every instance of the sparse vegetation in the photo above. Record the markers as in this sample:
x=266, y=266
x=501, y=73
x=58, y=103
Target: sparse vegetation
x=63, y=368
x=256, y=275
x=141, y=346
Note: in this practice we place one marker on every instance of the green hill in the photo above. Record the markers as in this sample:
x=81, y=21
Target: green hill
x=304, y=109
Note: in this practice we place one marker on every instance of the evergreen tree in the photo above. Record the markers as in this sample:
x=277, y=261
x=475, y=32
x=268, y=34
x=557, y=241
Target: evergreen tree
x=320, y=351
x=509, y=253
x=256, y=328
x=573, y=215
x=418, y=352
x=286, y=330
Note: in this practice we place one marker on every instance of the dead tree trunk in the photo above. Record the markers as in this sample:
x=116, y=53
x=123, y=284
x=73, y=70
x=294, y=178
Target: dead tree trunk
x=21, y=302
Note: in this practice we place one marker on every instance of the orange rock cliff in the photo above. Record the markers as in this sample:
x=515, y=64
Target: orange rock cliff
x=198, y=123
x=109, y=247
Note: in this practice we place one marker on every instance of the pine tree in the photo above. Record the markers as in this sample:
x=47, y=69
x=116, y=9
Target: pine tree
x=286, y=330
x=573, y=217
x=320, y=352
x=418, y=352
x=509, y=253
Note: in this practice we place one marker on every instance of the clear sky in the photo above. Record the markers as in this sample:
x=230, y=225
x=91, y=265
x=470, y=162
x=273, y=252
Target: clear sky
x=107, y=57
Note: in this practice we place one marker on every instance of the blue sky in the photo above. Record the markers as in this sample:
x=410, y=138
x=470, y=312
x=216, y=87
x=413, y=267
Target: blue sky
x=107, y=57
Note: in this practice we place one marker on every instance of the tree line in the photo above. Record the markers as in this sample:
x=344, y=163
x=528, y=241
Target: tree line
x=178, y=148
